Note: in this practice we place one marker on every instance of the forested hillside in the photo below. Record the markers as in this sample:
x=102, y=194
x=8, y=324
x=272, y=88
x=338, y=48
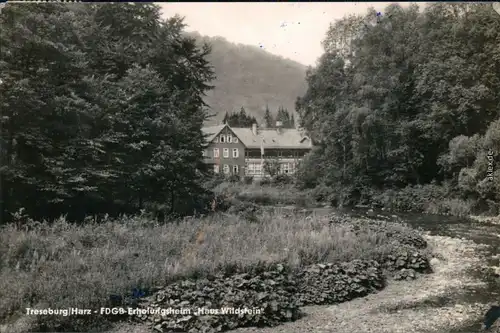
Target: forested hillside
x=249, y=77
x=406, y=110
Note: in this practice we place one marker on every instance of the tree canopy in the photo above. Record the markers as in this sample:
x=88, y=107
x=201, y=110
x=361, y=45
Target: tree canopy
x=239, y=119
x=410, y=99
x=102, y=109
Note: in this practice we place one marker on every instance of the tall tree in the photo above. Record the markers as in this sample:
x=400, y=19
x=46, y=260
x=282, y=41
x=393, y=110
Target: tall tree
x=285, y=117
x=268, y=118
x=100, y=102
x=388, y=100
x=240, y=119
x=226, y=118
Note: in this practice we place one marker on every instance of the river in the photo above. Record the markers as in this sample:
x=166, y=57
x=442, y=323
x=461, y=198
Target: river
x=483, y=233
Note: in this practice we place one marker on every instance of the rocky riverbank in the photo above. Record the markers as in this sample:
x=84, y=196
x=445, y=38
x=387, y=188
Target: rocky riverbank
x=424, y=305
x=428, y=304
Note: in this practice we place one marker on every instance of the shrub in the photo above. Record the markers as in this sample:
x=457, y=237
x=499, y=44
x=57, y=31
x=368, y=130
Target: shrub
x=282, y=179
x=455, y=207
x=322, y=193
x=265, y=181
x=271, y=292
x=411, y=198
x=248, y=180
x=329, y=283
x=233, y=178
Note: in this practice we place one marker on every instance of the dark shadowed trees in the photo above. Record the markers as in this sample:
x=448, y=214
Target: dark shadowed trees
x=101, y=110
x=239, y=119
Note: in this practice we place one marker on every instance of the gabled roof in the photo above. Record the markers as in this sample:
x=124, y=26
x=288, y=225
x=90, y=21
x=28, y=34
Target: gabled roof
x=212, y=131
x=285, y=138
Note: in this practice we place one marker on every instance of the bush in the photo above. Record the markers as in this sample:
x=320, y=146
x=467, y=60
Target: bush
x=282, y=179
x=248, y=180
x=233, y=178
x=411, y=198
x=329, y=284
x=265, y=181
x=455, y=207
x=322, y=193
x=277, y=291
x=247, y=210
x=270, y=292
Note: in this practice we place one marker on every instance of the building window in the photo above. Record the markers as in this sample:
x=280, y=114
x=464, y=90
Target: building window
x=235, y=140
x=226, y=152
x=216, y=168
x=254, y=168
x=216, y=152
x=229, y=138
x=222, y=138
x=235, y=169
x=226, y=168
x=216, y=140
x=286, y=167
x=250, y=169
x=236, y=153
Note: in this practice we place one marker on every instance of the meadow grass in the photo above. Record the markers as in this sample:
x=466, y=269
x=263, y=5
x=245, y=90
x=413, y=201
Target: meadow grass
x=286, y=194
x=60, y=265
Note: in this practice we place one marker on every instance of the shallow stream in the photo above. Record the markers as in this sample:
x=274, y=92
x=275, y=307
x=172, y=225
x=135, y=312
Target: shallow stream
x=480, y=232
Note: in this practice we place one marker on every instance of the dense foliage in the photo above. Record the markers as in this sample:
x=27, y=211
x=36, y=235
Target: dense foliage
x=408, y=99
x=286, y=118
x=102, y=109
x=239, y=119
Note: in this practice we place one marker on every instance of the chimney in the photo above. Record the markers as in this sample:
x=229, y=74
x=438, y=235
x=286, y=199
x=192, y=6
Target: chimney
x=254, y=129
x=279, y=124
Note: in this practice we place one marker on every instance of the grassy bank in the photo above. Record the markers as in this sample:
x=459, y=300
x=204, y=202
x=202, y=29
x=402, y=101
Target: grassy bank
x=60, y=265
x=286, y=194
x=427, y=199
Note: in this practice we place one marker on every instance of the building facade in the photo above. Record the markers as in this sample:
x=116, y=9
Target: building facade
x=225, y=152
x=243, y=151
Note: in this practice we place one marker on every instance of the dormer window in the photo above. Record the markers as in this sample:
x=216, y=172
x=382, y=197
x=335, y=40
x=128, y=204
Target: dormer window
x=229, y=138
x=235, y=140
x=222, y=138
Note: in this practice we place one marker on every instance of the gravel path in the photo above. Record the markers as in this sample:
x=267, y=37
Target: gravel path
x=402, y=307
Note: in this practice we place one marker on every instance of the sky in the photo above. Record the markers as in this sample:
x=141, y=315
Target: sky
x=291, y=30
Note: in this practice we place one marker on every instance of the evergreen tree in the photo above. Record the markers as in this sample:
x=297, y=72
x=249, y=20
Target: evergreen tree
x=226, y=118
x=243, y=114
x=240, y=119
x=100, y=117
x=284, y=116
x=268, y=118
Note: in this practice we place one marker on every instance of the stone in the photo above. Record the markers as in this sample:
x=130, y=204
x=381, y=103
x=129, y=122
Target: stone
x=434, y=262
